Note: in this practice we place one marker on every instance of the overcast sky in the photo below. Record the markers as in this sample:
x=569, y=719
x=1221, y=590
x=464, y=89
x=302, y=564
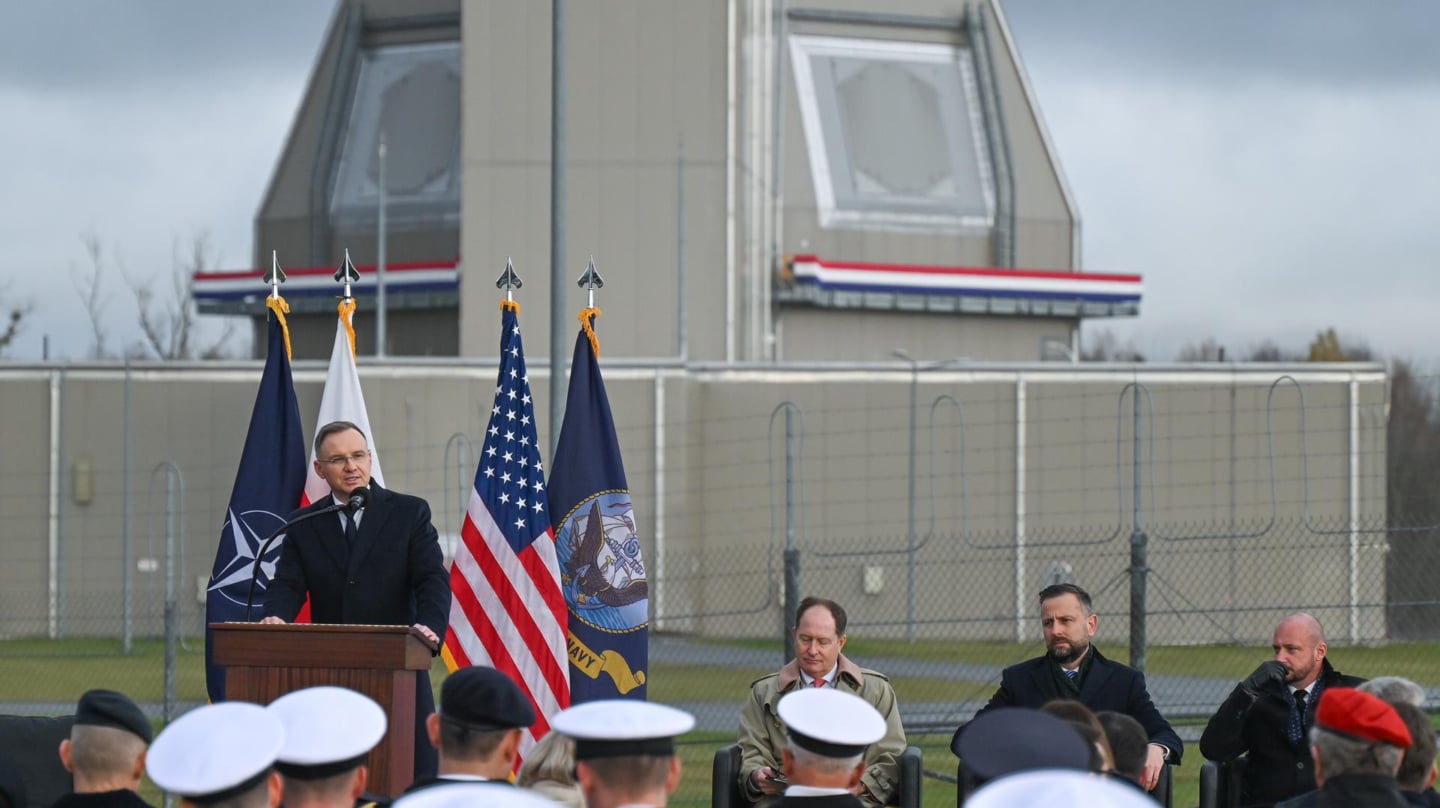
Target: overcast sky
x=1270, y=167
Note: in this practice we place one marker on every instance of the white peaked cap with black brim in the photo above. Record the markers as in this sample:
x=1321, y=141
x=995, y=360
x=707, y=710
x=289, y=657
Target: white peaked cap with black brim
x=1058, y=787
x=829, y=722
x=328, y=731
x=470, y=795
x=622, y=727
x=216, y=752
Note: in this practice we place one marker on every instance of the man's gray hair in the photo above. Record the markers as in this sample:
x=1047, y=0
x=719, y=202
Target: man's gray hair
x=827, y=765
x=1339, y=755
x=1395, y=689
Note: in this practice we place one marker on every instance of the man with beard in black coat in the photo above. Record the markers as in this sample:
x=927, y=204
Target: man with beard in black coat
x=1265, y=719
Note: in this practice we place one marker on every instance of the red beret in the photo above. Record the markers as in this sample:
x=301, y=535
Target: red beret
x=1360, y=715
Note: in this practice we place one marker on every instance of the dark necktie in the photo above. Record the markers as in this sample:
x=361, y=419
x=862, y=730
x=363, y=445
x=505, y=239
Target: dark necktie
x=1072, y=674
x=351, y=529
x=1297, y=718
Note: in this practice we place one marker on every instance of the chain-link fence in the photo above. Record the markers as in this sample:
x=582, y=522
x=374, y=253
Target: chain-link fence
x=1199, y=505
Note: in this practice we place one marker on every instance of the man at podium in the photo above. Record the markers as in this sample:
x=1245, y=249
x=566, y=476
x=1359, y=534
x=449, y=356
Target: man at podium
x=375, y=562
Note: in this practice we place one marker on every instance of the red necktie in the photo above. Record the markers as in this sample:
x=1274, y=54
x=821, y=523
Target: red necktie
x=818, y=683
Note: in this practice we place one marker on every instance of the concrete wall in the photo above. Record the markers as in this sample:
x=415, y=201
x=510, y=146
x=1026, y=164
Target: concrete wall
x=705, y=454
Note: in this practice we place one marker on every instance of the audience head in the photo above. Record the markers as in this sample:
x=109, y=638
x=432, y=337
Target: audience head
x=1395, y=689
x=106, y=747
x=1007, y=740
x=479, y=727
x=1128, y=743
x=624, y=750
x=220, y=756
x=1356, y=733
x=1299, y=644
x=1058, y=788
x=819, y=635
x=1417, y=764
x=549, y=770
x=551, y=759
x=1102, y=759
x=328, y=733
x=828, y=732
x=470, y=795
x=1068, y=621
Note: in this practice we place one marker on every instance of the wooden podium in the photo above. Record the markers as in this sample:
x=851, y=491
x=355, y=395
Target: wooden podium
x=265, y=661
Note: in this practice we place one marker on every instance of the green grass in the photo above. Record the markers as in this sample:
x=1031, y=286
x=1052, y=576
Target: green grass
x=60, y=670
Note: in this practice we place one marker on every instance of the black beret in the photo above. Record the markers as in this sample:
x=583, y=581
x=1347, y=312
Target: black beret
x=483, y=698
x=106, y=708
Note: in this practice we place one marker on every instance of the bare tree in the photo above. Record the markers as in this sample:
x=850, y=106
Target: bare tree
x=89, y=285
x=1267, y=351
x=1210, y=350
x=14, y=316
x=1104, y=347
x=167, y=315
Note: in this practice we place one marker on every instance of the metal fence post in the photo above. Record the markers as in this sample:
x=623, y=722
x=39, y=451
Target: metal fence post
x=174, y=489
x=127, y=585
x=792, y=555
x=1139, y=551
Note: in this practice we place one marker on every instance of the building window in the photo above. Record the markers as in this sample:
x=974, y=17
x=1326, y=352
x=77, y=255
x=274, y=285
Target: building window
x=412, y=93
x=895, y=134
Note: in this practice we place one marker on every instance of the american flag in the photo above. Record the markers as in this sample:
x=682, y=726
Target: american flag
x=508, y=611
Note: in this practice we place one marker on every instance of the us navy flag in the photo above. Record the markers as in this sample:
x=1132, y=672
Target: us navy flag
x=268, y=485
x=601, y=571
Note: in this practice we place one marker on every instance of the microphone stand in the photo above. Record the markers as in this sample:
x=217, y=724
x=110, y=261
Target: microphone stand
x=265, y=545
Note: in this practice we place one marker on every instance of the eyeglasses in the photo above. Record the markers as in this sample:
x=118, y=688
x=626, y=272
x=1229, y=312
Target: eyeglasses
x=340, y=461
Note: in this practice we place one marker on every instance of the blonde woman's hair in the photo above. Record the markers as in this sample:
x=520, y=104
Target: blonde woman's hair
x=552, y=759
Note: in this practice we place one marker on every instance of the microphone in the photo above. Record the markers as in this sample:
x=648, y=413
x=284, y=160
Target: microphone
x=357, y=496
x=357, y=499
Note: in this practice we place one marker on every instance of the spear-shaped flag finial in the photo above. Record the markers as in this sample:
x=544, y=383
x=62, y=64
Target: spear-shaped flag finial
x=508, y=280
x=347, y=274
x=276, y=276
x=591, y=281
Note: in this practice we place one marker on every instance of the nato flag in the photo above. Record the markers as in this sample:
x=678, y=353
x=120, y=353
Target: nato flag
x=268, y=486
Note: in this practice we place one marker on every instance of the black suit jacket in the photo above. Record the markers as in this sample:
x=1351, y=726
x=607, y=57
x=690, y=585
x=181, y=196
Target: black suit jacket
x=1108, y=686
x=395, y=574
x=1254, y=724
x=1351, y=791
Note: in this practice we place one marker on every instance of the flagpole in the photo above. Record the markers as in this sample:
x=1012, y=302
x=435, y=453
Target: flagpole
x=380, y=260
x=557, y=222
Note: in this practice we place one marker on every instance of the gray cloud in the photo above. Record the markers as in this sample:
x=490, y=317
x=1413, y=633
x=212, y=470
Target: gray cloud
x=1266, y=185
x=1330, y=42
x=97, y=46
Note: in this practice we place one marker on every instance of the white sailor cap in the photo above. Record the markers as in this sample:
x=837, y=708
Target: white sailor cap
x=622, y=727
x=1058, y=787
x=328, y=730
x=468, y=795
x=216, y=752
x=829, y=722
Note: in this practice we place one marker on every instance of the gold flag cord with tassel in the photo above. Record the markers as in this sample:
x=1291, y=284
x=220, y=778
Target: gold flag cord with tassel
x=511, y=305
x=586, y=315
x=278, y=305
x=347, y=311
